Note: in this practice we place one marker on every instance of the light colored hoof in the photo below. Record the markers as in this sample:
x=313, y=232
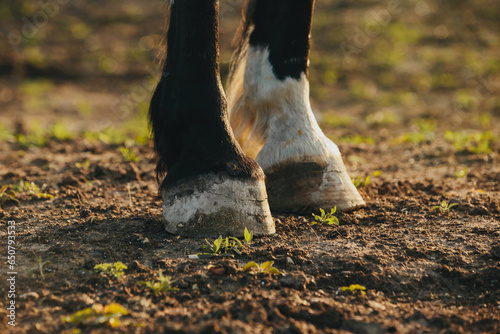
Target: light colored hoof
x=212, y=205
x=305, y=187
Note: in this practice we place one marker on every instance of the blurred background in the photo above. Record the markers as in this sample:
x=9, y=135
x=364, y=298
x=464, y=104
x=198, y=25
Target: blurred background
x=389, y=71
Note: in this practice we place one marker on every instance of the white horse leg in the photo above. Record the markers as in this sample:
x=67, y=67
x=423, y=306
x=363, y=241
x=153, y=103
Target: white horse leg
x=270, y=112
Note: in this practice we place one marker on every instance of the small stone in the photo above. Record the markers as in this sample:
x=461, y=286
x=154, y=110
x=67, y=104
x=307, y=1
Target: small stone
x=89, y=264
x=29, y=295
x=297, y=281
x=84, y=213
x=376, y=305
x=181, y=283
x=217, y=271
x=69, y=181
x=136, y=267
x=78, y=302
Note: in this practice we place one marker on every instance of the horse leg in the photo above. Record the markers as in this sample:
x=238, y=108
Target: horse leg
x=211, y=188
x=268, y=98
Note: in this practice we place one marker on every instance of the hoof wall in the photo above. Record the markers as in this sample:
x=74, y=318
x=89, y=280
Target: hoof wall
x=211, y=205
x=304, y=187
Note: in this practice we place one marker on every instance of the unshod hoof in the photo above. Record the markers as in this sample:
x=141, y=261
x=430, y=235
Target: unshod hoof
x=212, y=205
x=305, y=187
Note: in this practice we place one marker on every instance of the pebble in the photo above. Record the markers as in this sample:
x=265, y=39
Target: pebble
x=29, y=295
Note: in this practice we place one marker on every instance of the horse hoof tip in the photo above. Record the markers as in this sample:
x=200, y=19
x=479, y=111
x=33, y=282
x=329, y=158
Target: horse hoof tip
x=305, y=187
x=211, y=206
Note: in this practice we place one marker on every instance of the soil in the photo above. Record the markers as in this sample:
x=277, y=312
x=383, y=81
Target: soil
x=424, y=270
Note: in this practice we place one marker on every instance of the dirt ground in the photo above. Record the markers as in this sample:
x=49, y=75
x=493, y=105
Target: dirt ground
x=410, y=91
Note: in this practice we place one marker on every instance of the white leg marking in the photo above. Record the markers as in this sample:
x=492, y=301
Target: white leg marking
x=274, y=122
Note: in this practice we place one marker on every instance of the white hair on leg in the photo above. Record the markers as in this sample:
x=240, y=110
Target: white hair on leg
x=273, y=120
x=243, y=116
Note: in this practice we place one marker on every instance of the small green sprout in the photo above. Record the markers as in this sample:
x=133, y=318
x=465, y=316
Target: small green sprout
x=225, y=246
x=356, y=140
x=356, y=159
x=461, y=173
x=5, y=133
x=112, y=270
x=248, y=236
x=328, y=218
x=359, y=181
x=484, y=121
x=214, y=247
x=353, y=288
x=128, y=155
x=336, y=121
x=7, y=194
x=164, y=283
x=364, y=182
x=60, y=132
x=474, y=142
x=263, y=268
x=35, y=134
x=31, y=140
x=31, y=189
x=426, y=133
x=444, y=207
x=39, y=269
x=84, y=107
x=98, y=315
x=83, y=165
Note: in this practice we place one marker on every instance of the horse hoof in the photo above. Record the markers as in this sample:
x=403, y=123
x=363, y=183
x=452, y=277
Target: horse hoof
x=213, y=205
x=305, y=187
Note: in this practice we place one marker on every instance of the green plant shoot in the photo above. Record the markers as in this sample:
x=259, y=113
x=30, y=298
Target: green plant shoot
x=353, y=288
x=263, y=268
x=461, y=173
x=128, y=155
x=98, y=315
x=40, y=267
x=164, y=283
x=112, y=270
x=324, y=217
x=225, y=246
x=7, y=194
x=444, y=207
